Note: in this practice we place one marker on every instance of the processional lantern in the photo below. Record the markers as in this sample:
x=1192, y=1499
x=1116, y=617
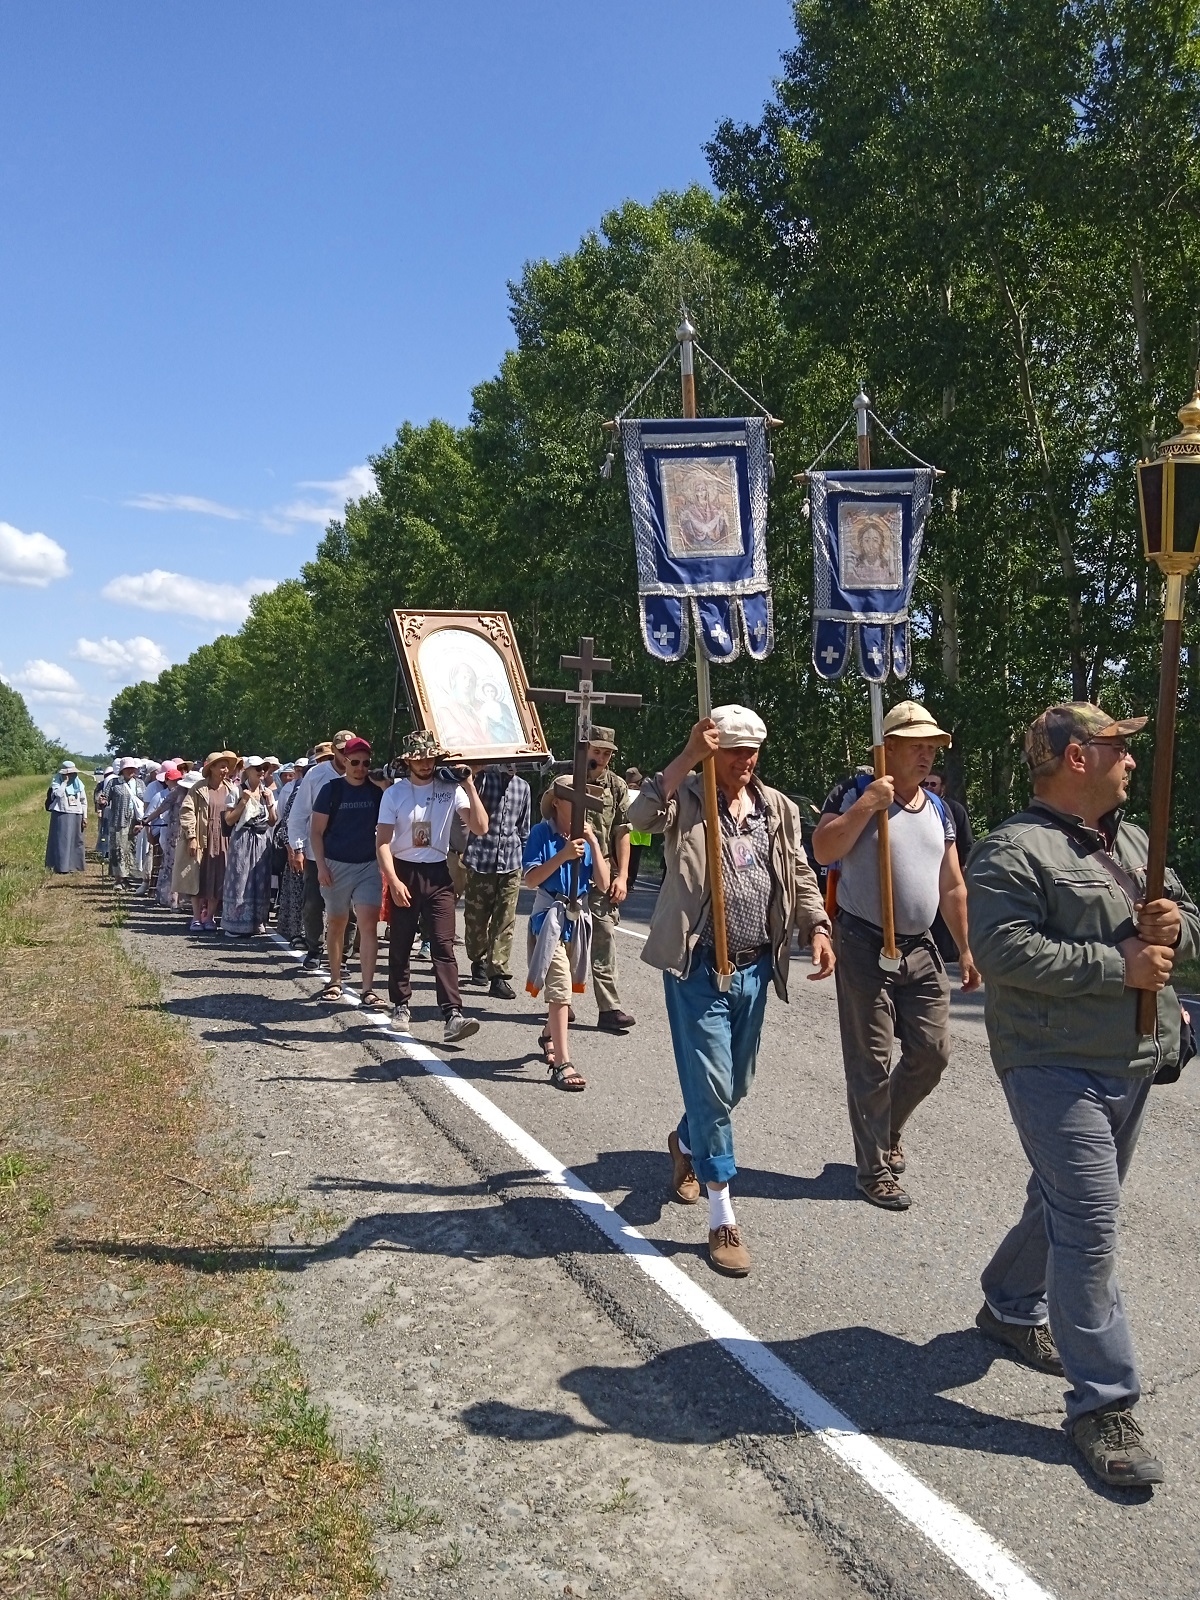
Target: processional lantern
x=1169, y=501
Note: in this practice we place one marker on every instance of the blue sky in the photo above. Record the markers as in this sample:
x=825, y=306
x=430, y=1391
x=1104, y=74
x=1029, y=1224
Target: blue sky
x=240, y=244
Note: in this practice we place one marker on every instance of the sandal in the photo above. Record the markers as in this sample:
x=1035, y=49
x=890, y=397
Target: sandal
x=372, y=1001
x=331, y=991
x=564, y=1076
x=546, y=1046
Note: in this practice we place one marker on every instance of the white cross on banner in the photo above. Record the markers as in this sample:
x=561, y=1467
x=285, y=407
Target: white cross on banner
x=829, y=655
x=663, y=635
x=875, y=655
x=719, y=635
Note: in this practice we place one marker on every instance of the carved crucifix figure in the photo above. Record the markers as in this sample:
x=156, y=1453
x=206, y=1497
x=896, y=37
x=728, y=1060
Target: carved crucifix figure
x=587, y=664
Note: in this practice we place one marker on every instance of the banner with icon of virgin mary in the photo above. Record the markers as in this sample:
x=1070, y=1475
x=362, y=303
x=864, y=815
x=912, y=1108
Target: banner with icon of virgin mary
x=867, y=532
x=698, y=495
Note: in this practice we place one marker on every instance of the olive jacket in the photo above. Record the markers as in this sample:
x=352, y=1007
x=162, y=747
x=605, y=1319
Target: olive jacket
x=683, y=900
x=1047, y=917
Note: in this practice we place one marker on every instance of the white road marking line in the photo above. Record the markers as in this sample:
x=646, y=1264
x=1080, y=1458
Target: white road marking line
x=995, y=1570
x=630, y=931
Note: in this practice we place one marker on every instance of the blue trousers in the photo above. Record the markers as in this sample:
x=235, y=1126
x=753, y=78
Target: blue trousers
x=715, y=1037
x=1059, y=1263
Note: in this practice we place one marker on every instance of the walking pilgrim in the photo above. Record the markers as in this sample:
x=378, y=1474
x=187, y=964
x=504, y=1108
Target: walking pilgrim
x=124, y=809
x=769, y=889
x=66, y=801
x=246, y=891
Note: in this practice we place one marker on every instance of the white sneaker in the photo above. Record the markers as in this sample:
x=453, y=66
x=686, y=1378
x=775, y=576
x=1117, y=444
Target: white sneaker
x=401, y=1019
x=459, y=1027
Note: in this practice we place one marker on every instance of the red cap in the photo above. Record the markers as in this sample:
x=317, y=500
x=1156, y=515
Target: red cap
x=171, y=772
x=355, y=746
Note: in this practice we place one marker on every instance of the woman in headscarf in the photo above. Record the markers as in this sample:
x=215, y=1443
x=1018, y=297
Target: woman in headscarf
x=201, y=848
x=123, y=812
x=67, y=804
x=164, y=820
x=249, y=816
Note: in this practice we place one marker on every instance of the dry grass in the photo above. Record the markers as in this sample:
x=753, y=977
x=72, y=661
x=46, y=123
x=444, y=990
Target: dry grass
x=156, y=1436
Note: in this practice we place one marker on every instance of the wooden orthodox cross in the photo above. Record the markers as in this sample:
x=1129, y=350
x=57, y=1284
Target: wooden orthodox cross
x=587, y=664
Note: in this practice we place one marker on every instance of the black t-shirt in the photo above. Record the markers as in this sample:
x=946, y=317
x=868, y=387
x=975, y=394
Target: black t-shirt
x=350, y=836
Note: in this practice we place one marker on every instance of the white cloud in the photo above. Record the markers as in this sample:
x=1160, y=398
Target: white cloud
x=80, y=729
x=187, y=597
x=30, y=560
x=186, y=502
x=134, y=658
x=352, y=485
x=46, y=681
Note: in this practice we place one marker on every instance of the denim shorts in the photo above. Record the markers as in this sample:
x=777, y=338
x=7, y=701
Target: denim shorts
x=356, y=883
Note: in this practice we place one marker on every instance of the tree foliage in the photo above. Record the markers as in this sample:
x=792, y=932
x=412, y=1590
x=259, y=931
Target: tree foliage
x=988, y=214
x=23, y=746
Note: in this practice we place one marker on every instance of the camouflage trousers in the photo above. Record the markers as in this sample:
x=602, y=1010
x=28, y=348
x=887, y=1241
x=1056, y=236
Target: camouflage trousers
x=490, y=918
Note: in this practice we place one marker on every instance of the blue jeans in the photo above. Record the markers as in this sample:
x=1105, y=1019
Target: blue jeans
x=715, y=1037
x=1079, y=1130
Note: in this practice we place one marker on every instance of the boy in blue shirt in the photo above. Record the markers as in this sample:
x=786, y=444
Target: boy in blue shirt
x=560, y=944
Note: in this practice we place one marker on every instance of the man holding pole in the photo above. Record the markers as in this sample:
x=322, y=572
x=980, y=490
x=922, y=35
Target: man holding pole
x=769, y=887
x=611, y=824
x=1066, y=939
x=906, y=998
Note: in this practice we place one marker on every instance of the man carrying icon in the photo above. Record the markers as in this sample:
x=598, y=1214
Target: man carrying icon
x=877, y=1009
x=1065, y=939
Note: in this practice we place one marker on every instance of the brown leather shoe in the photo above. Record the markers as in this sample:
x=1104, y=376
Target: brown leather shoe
x=895, y=1159
x=885, y=1192
x=616, y=1021
x=727, y=1252
x=685, y=1186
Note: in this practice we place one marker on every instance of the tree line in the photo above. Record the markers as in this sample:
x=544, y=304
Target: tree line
x=990, y=217
x=24, y=748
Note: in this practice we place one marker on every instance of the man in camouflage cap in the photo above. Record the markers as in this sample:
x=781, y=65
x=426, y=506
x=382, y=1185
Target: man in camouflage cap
x=1065, y=939
x=611, y=827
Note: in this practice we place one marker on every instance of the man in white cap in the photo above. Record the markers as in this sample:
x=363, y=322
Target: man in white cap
x=912, y=1006
x=769, y=888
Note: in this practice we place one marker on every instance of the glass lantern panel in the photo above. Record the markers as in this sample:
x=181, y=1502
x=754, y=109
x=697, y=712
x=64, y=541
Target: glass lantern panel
x=1187, y=505
x=1150, y=485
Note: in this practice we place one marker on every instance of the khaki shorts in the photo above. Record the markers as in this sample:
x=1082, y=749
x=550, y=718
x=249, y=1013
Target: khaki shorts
x=557, y=988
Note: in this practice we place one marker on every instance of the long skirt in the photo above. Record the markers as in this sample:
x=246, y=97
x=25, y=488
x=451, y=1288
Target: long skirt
x=247, y=883
x=163, y=885
x=64, y=847
x=290, y=909
x=120, y=854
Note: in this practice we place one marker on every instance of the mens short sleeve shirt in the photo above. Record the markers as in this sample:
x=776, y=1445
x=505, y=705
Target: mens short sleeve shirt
x=918, y=842
x=351, y=834
x=421, y=815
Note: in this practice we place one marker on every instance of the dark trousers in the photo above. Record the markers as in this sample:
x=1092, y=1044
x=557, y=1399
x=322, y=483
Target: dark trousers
x=875, y=1009
x=313, y=914
x=431, y=902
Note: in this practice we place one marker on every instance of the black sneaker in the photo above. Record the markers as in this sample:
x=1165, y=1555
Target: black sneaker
x=312, y=964
x=479, y=972
x=501, y=989
x=1033, y=1345
x=1110, y=1441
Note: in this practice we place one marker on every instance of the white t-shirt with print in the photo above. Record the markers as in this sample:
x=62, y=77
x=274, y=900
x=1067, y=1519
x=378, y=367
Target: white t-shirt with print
x=421, y=815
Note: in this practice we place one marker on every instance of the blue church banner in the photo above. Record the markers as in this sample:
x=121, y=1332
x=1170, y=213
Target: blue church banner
x=698, y=495
x=867, y=532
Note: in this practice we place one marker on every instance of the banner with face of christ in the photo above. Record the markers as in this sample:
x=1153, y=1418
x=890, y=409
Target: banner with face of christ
x=698, y=495
x=867, y=533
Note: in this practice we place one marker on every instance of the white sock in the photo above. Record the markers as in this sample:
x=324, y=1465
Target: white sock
x=683, y=1148
x=720, y=1211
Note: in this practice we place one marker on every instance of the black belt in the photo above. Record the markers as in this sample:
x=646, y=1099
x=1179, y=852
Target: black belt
x=738, y=959
x=862, y=929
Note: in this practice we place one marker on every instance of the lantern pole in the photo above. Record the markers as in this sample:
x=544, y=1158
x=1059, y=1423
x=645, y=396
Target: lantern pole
x=1157, y=495
x=889, y=956
x=686, y=334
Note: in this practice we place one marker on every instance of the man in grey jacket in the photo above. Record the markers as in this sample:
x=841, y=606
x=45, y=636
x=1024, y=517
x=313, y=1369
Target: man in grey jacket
x=769, y=889
x=1065, y=940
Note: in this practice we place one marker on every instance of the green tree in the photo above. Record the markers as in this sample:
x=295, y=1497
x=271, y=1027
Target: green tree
x=23, y=746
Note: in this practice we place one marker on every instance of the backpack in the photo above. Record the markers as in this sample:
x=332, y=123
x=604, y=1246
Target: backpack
x=862, y=782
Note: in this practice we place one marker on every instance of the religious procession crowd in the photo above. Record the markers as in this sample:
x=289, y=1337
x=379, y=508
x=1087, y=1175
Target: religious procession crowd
x=1050, y=911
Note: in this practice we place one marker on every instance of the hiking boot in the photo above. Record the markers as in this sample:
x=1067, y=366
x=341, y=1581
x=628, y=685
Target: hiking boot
x=459, y=1027
x=886, y=1193
x=685, y=1186
x=401, y=1019
x=479, y=972
x=1033, y=1345
x=895, y=1159
x=501, y=989
x=727, y=1253
x=615, y=1021
x=1110, y=1441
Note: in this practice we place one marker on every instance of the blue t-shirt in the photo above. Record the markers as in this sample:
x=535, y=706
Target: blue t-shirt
x=351, y=834
x=545, y=841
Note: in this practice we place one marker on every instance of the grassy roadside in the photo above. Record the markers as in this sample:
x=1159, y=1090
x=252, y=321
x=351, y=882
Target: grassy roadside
x=157, y=1439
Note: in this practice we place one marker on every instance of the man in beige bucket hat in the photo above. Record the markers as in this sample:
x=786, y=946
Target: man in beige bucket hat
x=912, y=1006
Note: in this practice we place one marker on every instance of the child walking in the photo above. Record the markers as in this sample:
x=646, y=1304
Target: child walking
x=559, y=944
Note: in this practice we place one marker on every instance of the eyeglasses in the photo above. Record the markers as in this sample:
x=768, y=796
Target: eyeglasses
x=1117, y=746
x=358, y=761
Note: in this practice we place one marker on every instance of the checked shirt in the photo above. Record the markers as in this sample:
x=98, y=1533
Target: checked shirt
x=505, y=798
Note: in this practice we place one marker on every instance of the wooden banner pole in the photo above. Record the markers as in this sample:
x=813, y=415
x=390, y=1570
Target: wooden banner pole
x=712, y=820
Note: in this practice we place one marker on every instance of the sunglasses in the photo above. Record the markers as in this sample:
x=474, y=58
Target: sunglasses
x=358, y=761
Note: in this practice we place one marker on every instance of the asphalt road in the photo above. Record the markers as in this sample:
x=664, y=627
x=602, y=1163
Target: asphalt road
x=875, y=1309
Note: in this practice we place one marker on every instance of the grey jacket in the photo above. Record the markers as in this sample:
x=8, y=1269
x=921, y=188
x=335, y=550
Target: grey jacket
x=1046, y=918
x=682, y=907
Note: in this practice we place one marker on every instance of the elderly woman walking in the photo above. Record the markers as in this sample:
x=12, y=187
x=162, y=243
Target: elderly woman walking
x=164, y=819
x=123, y=812
x=66, y=801
x=250, y=816
x=201, y=850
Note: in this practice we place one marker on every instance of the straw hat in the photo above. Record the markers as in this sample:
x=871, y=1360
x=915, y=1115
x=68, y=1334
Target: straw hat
x=219, y=755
